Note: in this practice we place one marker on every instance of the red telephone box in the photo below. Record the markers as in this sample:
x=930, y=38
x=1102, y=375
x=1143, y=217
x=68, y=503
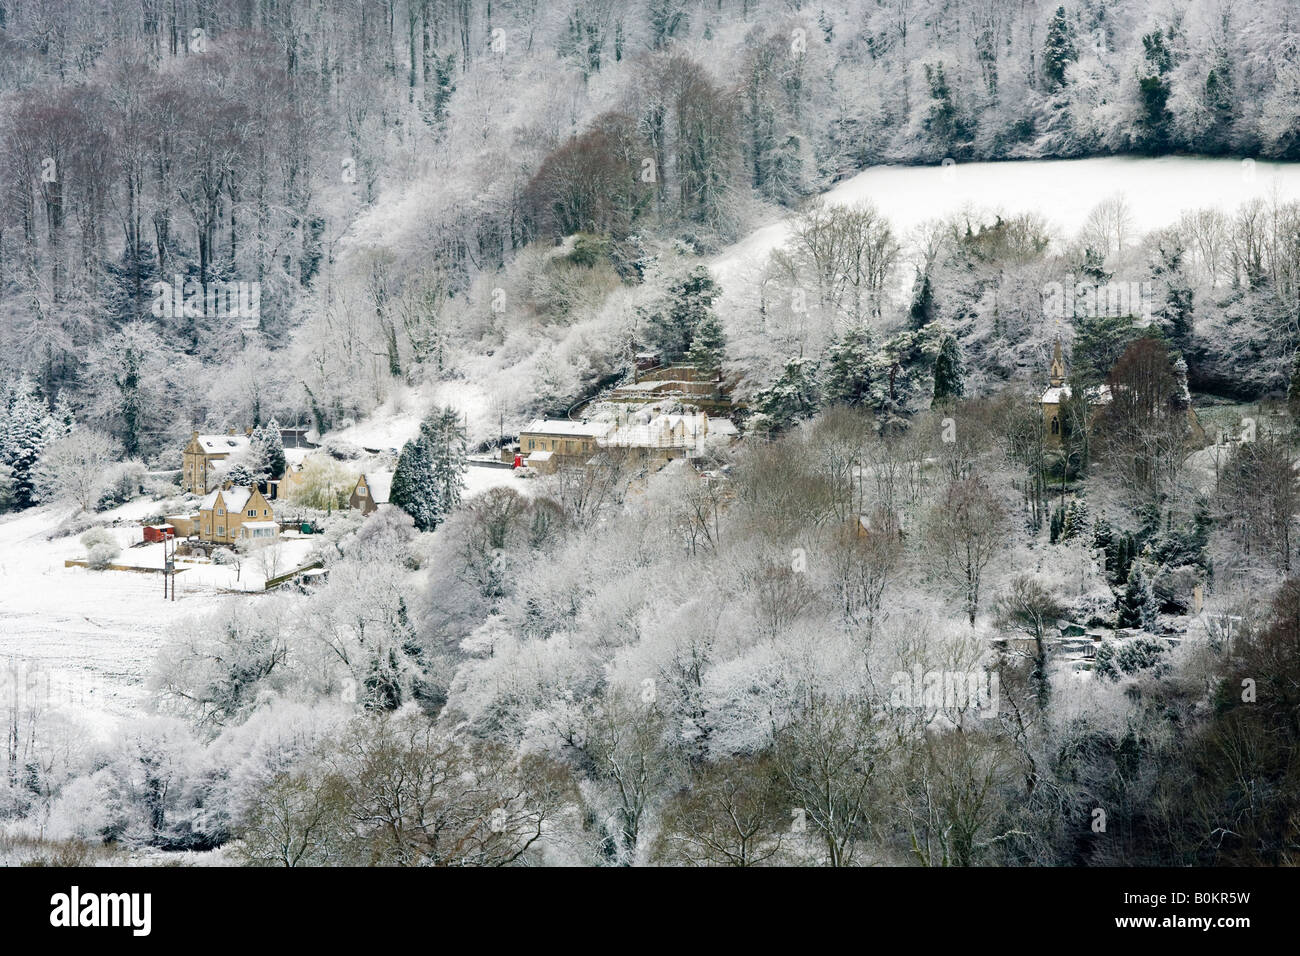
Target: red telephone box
x=519, y=461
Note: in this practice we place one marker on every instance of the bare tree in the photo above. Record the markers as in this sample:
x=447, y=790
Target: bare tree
x=1030, y=607
x=832, y=758
x=72, y=468
x=730, y=814
x=967, y=528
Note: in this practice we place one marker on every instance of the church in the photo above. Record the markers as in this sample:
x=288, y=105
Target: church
x=1057, y=392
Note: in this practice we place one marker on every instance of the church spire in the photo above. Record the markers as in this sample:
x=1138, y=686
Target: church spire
x=1058, y=366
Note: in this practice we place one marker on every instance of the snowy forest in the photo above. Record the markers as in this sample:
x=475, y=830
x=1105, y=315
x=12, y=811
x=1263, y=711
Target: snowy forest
x=988, y=557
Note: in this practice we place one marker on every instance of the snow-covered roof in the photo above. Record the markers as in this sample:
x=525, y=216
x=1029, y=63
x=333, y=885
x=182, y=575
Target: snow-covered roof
x=540, y=456
x=234, y=498
x=259, y=524
x=1098, y=394
x=558, y=426
x=378, y=484
x=661, y=431
x=223, y=444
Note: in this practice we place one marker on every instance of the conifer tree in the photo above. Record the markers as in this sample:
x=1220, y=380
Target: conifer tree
x=429, y=478
x=947, y=372
x=413, y=488
x=851, y=368
x=1137, y=605
x=25, y=431
x=708, y=345
x=270, y=444
x=444, y=436
x=1058, y=50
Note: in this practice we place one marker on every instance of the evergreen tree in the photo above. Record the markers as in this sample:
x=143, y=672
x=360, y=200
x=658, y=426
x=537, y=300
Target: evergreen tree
x=267, y=446
x=241, y=475
x=1058, y=50
x=1103, y=541
x=6, y=488
x=1075, y=522
x=690, y=299
x=1137, y=605
x=922, y=309
x=950, y=130
x=430, y=472
x=1176, y=313
x=792, y=397
x=947, y=372
x=27, y=429
x=273, y=449
x=1154, y=89
x=851, y=368
x=414, y=489
x=444, y=436
x=708, y=346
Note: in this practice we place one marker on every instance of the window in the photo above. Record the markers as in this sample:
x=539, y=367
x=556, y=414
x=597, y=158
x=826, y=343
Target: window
x=221, y=531
x=531, y=444
x=220, y=513
x=1056, y=426
x=252, y=512
x=265, y=512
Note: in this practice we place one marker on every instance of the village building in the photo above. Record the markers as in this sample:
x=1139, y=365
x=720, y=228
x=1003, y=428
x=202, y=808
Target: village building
x=234, y=513
x=371, y=491
x=198, y=462
x=566, y=439
x=542, y=462
x=1057, y=393
x=667, y=436
x=546, y=444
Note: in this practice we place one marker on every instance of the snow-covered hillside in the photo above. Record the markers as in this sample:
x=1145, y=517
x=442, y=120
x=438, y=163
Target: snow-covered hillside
x=1064, y=192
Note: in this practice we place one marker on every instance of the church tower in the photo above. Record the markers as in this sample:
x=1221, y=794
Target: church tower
x=1057, y=374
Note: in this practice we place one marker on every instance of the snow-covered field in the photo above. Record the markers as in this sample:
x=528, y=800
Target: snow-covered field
x=397, y=421
x=1064, y=192
x=88, y=638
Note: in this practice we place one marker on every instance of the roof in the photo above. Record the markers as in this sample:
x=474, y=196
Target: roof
x=1098, y=394
x=661, y=431
x=559, y=426
x=259, y=524
x=223, y=444
x=378, y=484
x=234, y=498
x=540, y=456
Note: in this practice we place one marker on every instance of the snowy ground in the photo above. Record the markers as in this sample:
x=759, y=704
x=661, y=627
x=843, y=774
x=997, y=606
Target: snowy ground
x=86, y=638
x=397, y=421
x=1064, y=192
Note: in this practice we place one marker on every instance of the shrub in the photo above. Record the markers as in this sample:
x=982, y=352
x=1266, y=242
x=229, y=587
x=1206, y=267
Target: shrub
x=101, y=548
x=122, y=482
